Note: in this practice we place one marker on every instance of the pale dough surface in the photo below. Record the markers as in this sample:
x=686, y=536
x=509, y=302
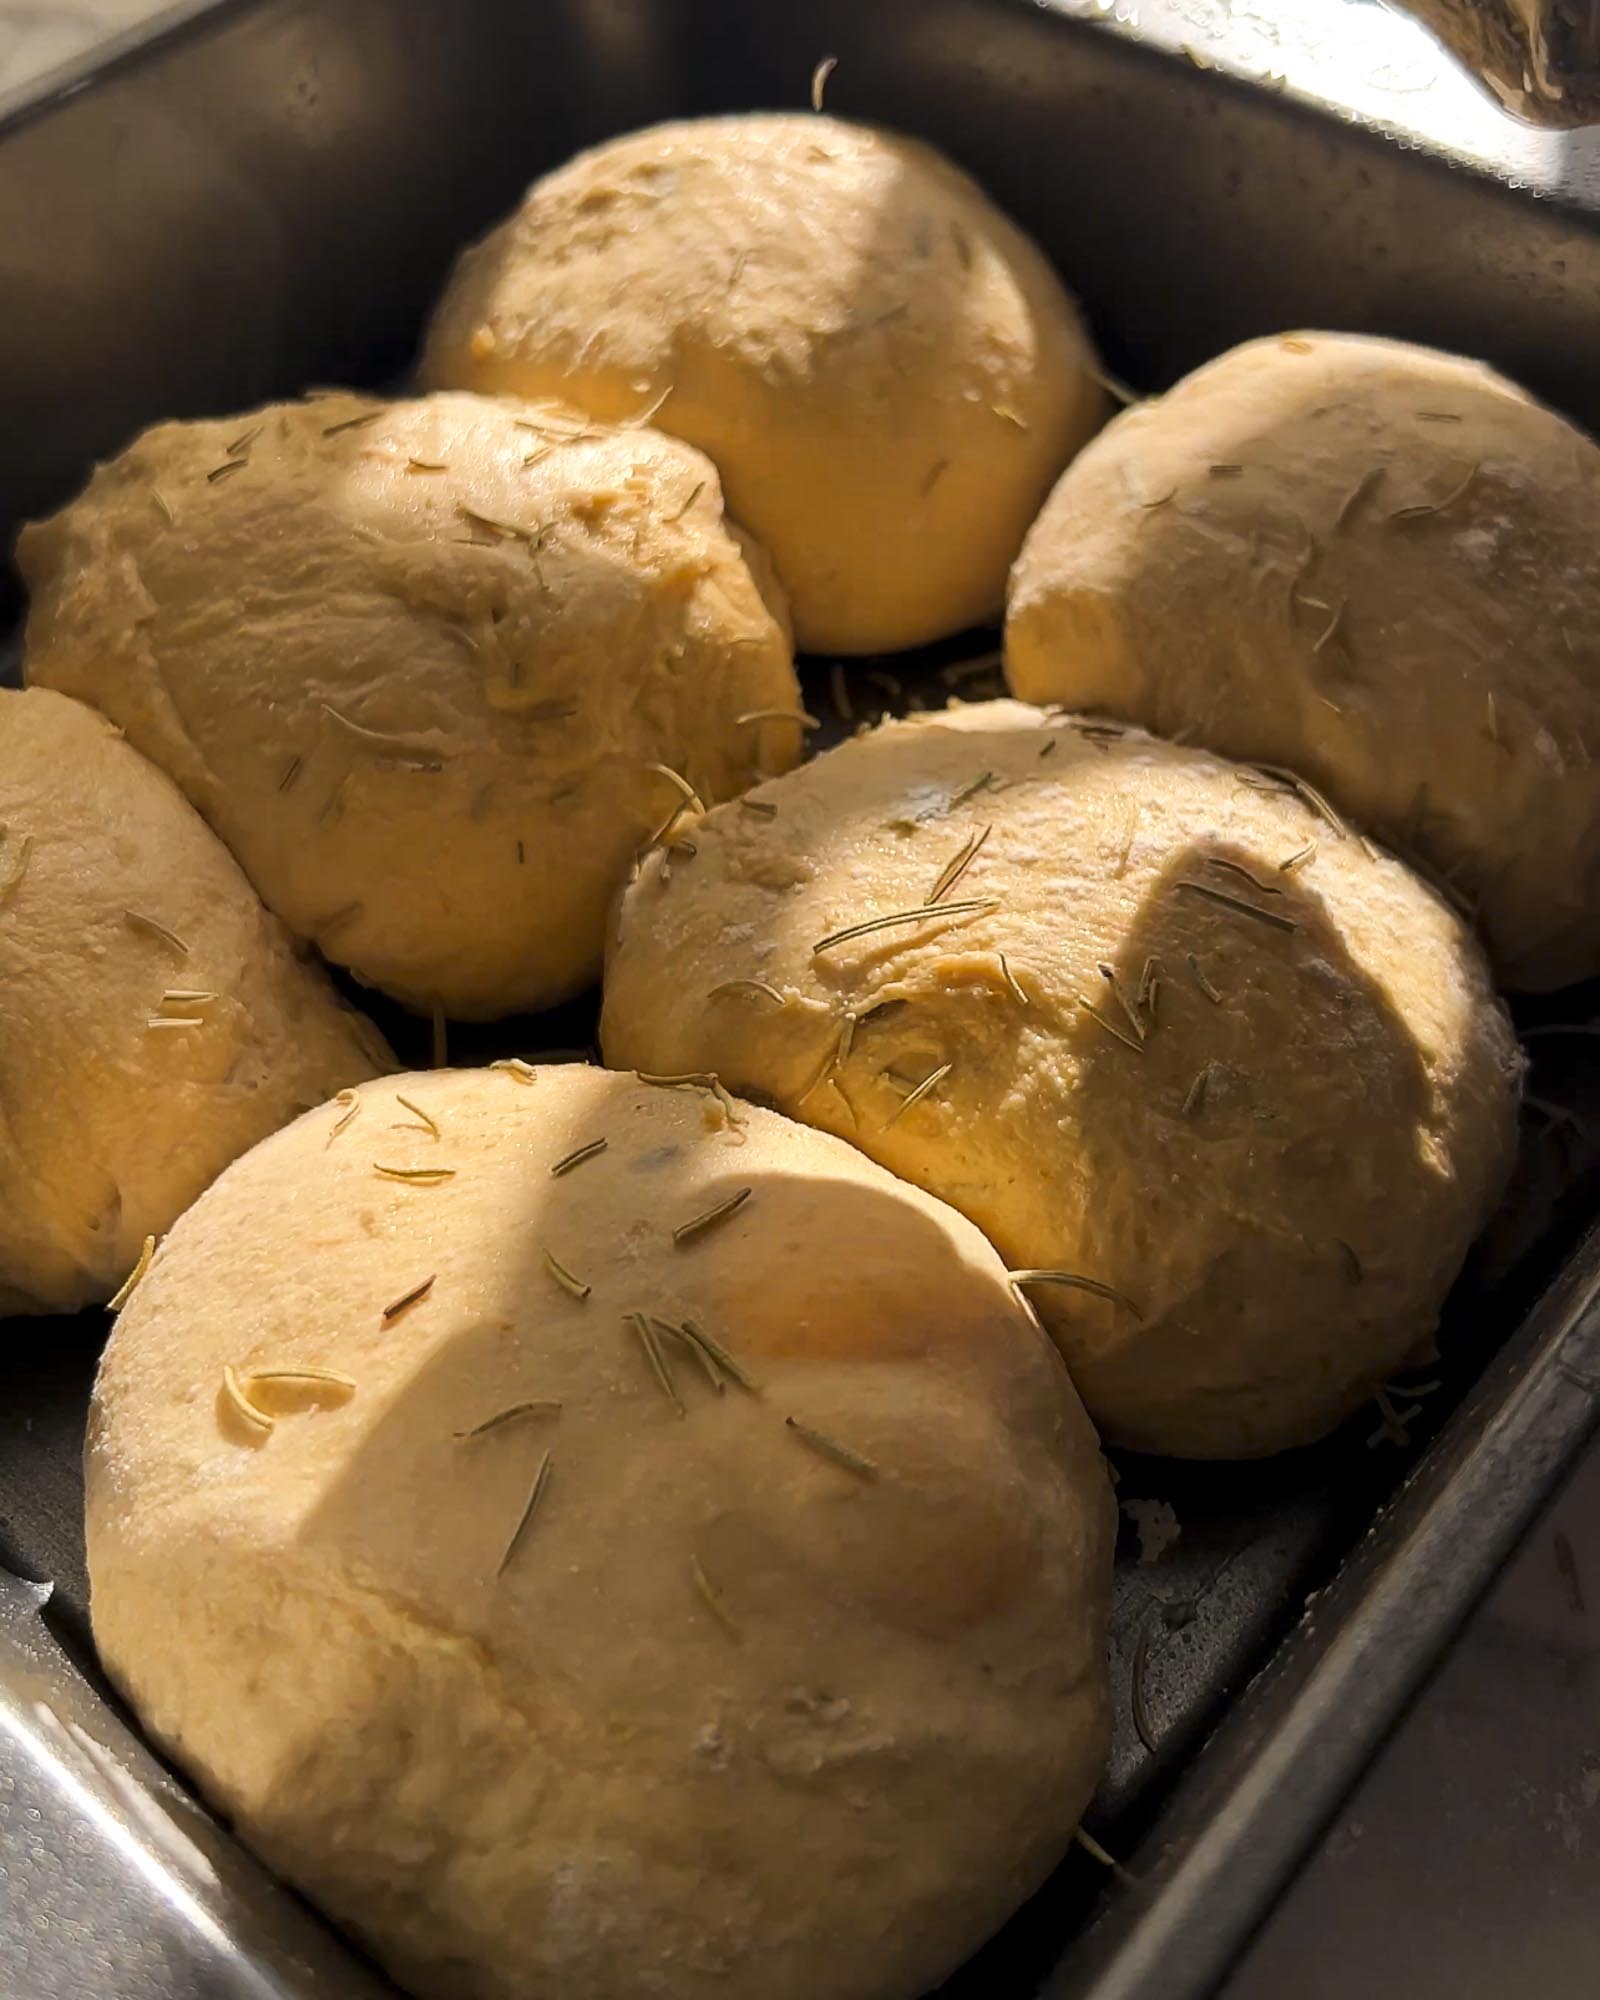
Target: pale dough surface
x=732, y=1719
x=884, y=368
x=414, y=662
x=109, y=1126
x=1371, y=562
x=1276, y=1163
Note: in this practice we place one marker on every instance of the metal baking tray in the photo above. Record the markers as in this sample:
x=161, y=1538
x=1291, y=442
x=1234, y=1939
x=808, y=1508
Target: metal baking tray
x=253, y=195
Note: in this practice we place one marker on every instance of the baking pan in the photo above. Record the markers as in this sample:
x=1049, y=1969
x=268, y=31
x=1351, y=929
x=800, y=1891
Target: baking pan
x=260, y=194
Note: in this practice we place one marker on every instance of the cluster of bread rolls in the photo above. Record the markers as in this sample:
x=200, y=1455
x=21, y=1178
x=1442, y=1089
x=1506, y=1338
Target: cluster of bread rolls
x=589, y=1531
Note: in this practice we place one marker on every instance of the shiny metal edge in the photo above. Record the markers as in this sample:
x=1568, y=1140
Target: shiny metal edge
x=1275, y=1772
x=1362, y=63
x=52, y=87
x=109, y=1870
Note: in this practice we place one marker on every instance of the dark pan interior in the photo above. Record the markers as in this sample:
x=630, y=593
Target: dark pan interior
x=286, y=184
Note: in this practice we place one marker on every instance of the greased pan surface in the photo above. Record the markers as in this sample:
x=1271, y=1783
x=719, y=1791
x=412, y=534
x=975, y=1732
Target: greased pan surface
x=266, y=196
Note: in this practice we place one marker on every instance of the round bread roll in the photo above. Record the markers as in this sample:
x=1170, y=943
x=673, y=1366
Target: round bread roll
x=154, y=1022
x=886, y=371
x=1376, y=565
x=554, y=1649
x=433, y=669
x=1236, y=1089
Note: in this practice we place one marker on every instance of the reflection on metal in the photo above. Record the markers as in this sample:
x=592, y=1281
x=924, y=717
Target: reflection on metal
x=1355, y=57
x=116, y=1881
x=1540, y=57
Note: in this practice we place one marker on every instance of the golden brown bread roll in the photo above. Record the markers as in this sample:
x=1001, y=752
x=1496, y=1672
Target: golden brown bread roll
x=1370, y=562
x=154, y=1021
x=1236, y=1086
x=885, y=370
x=421, y=665
x=554, y=1660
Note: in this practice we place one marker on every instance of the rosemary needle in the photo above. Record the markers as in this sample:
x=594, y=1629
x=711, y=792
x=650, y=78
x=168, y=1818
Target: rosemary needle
x=795, y=715
x=1221, y=861
x=1149, y=981
x=348, y=1099
x=1426, y=507
x=694, y=492
x=640, y=1322
x=1198, y=1090
x=241, y=1405
x=417, y=1176
x=1096, y=1852
x=427, y=1124
x=351, y=423
x=1353, y=499
x=1307, y=794
x=545, y=1406
x=702, y=1356
x=718, y=1213
x=564, y=1278
x=394, y=746
x=158, y=930
x=690, y=797
x=819, y=79
x=1111, y=1028
x=577, y=1157
x=312, y=1378
x=713, y=1598
x=414, y=1297
x=829, y=1447
x=1077, y=1282
x=1010, y=979
x=535, y=1494
x=1202, y=982
x=1330, y=631
x=126, y=1289
x=840, y=1055
x=1392, y=1425
x=1135, y=1020
x=515, y=1067
x=689, y=801
x=694, y=1079
x=929, y=1082
x=1137, y=1695
x=734, y=1370
x=746, y=985
x=1239, y=903
x=1298, y=859
x=922, y=914
x=958, y=864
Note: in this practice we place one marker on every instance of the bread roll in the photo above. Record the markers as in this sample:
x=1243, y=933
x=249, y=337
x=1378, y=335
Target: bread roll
x=1370, y=562
x=420, y=665
x=1239, y=1088
x=556, y=1662
x=885, y=370
x=154, y=1022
